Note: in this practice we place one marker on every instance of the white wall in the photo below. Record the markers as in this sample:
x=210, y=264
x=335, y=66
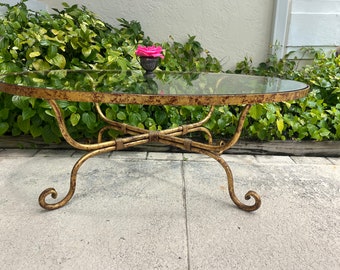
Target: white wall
x=314, y=23
x=229, y=29
x=307, y=23
x=31, y=4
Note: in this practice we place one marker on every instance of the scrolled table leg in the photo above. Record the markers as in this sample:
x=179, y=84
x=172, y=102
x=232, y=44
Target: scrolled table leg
x=54, y=193
x=73, y=180
x=250, y=194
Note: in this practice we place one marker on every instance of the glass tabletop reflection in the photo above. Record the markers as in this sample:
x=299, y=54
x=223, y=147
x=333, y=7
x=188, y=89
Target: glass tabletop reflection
x=176, y=88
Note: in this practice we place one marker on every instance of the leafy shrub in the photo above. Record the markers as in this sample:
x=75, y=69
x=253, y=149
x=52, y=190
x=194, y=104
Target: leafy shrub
x=315, y=117
x=74, y=38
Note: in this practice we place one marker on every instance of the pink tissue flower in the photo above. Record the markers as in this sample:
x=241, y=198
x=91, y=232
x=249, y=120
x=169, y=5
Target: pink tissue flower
x=149, y=51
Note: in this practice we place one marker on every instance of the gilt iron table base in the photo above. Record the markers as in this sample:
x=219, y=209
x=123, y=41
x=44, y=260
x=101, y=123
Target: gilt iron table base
x=141, y=136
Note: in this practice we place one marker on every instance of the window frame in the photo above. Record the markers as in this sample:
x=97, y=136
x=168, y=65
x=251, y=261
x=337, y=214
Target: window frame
x=281, y=25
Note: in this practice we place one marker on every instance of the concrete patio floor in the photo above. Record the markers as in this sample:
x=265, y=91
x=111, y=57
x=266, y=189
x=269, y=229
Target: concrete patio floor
x=152, y=210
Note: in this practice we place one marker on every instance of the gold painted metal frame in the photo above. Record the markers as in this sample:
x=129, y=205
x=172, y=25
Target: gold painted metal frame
x=140, y=136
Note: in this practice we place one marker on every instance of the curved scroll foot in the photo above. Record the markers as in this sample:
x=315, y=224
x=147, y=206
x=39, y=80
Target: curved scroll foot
x=54, y=195
x=73, y=180
x=250, y=194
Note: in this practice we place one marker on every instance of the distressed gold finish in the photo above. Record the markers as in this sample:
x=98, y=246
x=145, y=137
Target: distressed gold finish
x=119, y=98
x=172, y=137
x=229, y=98
x=141, y=136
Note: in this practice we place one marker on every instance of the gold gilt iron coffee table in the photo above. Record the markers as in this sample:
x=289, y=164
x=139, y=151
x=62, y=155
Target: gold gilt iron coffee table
x=164, y=88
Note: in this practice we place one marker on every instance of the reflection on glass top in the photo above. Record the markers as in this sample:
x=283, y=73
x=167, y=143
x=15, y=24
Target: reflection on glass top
x=163, y=83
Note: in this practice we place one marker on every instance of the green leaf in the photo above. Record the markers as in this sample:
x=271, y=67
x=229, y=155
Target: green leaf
x=4, y=114
x=28, y=113
x=86, y=51
x=121, y=116
x=34, y=54
x=90, y=119
x=63, y=104
x=3, y=127
x=36, y=131
x=14, y=54
x=85, y=106
x=122, y=64
x=48, y=135
x=271, y=116
x=280, y=125
x=24, y=125
x=211, y=124
x=161, y=117
x=256, y=111
x=110, y=114
x=222, y=123
x=50, y=113
x=72, y=108
x=75, y=118
x=134, y=119
x=324, y=132
x=40, y=64
x=59, y=60
x=52, y=51
x=45, y=104
x=150, y=124
x=20, y=102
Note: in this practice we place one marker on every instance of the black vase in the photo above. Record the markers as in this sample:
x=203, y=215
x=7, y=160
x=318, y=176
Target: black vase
x=149, y=64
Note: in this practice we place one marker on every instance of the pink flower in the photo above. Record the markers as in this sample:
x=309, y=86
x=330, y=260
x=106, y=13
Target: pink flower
x=149, y=51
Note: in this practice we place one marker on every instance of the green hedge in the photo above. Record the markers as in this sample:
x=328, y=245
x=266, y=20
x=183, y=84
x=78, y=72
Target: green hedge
x=316, y=117
x=74, y=38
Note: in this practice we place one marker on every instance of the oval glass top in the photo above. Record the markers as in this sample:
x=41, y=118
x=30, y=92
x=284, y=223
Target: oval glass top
x=163, y=88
